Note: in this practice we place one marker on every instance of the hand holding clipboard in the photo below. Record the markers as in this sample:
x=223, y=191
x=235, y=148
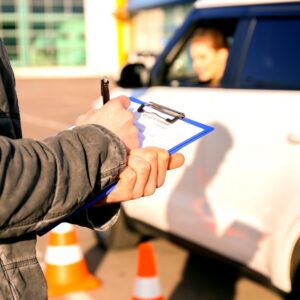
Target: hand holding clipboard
x=158, y=126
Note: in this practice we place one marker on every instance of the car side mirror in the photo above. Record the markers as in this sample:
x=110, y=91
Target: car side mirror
x=134, y=76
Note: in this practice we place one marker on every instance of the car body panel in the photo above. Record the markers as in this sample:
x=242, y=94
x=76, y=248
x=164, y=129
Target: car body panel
x=238, y=193
x=248, y=155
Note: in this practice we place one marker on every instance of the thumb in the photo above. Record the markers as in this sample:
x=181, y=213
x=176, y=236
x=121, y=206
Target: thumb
x=176, y=160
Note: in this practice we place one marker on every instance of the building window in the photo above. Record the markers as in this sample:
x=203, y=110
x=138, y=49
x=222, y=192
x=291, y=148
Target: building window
x=58, y=6
x=37, y=6
x=8, y=32
x=77, y=6
x=7, y=6
x=43, y=32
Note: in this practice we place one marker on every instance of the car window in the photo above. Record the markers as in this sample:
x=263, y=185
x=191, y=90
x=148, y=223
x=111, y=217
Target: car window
x=195, y=67
x=181, y=72
x=273, y=59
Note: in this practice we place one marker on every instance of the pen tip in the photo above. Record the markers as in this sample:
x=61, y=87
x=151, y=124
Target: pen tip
x=105, y=79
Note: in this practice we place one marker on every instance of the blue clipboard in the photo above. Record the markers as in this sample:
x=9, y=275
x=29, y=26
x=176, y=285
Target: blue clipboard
x=165, y=117
x=171, y=117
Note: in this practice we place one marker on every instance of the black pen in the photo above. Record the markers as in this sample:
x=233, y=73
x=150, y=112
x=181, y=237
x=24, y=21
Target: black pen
x=105, y=89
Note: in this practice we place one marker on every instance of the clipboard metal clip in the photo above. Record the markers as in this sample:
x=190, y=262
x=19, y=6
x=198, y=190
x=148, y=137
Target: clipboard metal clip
x=163, y=109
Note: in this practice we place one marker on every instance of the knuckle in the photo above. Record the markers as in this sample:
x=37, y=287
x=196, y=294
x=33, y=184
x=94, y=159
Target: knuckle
x=144, y=166
x=164, y=154
x=129, y=175
x=151, y=155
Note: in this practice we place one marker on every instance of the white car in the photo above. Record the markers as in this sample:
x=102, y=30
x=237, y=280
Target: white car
x=238, y=194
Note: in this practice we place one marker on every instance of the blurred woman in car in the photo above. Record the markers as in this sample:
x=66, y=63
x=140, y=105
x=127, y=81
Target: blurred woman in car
x=209, y=53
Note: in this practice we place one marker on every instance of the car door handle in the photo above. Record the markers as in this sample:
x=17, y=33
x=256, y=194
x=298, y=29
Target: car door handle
x=293, y=138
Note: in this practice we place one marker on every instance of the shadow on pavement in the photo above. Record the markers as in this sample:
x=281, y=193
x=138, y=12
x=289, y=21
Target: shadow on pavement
x=94, y=257
x=201, y=276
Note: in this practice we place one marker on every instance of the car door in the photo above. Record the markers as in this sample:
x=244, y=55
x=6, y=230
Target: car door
x=238, y=181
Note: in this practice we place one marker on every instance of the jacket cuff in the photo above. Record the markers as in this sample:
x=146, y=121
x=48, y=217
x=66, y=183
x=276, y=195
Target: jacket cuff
x=102, y=220
x=97, y=218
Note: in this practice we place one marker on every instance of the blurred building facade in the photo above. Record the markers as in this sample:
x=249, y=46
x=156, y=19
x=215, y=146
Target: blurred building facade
x=91, y=36
x=152, y=23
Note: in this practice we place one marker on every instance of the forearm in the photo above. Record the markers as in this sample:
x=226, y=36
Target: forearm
x=43, y=182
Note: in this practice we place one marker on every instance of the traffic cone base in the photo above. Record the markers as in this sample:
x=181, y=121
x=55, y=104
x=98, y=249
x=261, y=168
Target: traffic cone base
x=59, y=282
x=65, y=269
x=146, y=286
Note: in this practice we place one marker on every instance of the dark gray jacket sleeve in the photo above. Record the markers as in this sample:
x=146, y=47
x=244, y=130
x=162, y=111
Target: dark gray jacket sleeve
x=43, y=182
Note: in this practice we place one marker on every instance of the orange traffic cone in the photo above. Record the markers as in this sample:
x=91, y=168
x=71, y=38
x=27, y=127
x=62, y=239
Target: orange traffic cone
x=65, y=269
x=147, y=286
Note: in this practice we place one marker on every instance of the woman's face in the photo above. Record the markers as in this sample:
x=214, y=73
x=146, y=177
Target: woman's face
x=205, y=59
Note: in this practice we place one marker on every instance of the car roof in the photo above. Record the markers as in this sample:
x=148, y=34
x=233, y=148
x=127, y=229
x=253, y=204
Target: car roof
x=221, y=3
